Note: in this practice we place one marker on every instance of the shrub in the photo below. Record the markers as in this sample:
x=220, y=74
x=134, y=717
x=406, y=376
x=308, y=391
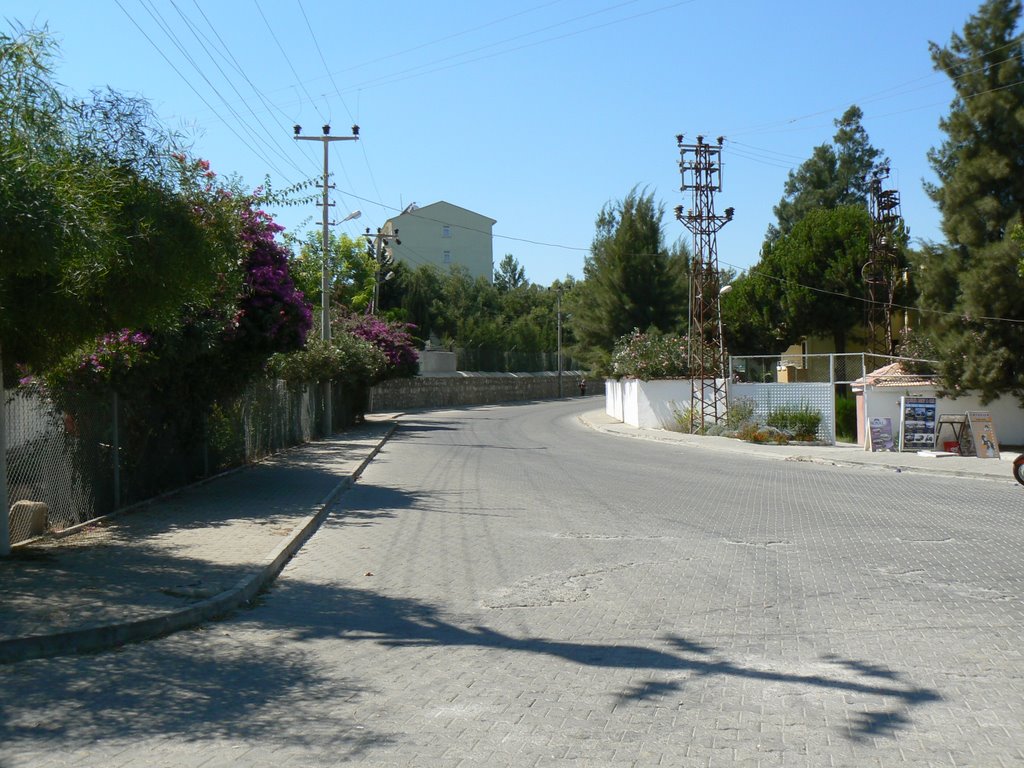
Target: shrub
x=647, y=356
x=741, y=411
x=394, y=339
x=846, y=418
x=345, y=358
x=802, y=421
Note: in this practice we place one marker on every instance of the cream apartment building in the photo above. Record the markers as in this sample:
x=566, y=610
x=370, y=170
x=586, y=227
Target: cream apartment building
x=446, y=236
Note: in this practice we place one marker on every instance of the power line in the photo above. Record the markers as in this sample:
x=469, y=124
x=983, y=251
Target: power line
x=190, y=85
x=323, y=60
x=206, y=45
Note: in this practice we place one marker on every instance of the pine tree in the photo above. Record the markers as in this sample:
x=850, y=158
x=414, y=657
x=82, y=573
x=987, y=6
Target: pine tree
x=630, y=279
x=835, y=174
x=980, y=194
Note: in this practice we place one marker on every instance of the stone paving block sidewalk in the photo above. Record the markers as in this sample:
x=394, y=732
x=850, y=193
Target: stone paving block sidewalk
x=179, y=550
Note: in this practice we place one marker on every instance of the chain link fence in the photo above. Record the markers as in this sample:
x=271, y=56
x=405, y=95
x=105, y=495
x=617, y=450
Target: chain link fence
x=825, y=369
x=72, y=458
x=511, y=361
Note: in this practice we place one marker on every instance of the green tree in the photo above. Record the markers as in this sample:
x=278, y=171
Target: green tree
x=509, y=275
x=753, y=322
x=631, y=280
x=351, y=273
x=819, y=264
x=973, y=277
x=835, y=174
x=105, y=225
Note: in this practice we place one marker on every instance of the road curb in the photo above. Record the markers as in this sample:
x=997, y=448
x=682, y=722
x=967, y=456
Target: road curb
x=822, y=460
x=107, y=636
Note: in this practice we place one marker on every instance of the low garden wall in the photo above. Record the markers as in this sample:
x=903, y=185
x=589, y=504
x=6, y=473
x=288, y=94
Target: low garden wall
x=462, y=388
x=648, y=404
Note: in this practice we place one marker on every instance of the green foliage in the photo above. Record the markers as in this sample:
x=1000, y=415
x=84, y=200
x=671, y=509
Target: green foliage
x=351, y=272
x=461, y=312
x=741, y=411
x=846, y=418
x=807, y=282
x=630, y=280
x=648, y=356
x=753, y=321
x=345, y=358
x=835, y=175
x=509, y=275
x=104, y=228
x=802, y=421
x=974, y=277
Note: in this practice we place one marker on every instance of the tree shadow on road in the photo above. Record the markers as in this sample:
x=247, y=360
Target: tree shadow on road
x=364, y=615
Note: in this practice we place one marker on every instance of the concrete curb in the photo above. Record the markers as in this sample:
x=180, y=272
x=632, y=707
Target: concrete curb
x=106, y=636
x=844, y=461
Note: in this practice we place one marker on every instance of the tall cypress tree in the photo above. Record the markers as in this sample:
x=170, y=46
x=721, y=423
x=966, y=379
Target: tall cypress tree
x=835, y=174
x=980, y=194
x=631, y=280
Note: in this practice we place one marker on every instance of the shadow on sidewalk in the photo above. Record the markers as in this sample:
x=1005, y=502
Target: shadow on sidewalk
x=200, y=685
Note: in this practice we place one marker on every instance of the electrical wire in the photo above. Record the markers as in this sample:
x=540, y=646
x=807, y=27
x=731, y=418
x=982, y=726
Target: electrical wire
x=188, y=82
x=206, y=45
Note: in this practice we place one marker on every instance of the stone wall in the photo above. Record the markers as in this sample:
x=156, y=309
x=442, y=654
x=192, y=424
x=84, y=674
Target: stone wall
x=462, y=388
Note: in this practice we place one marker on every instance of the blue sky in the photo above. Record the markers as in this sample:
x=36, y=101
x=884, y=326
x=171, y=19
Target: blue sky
x=534, y=113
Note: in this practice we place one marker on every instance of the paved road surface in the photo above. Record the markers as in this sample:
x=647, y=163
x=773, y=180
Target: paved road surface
x=507, y=587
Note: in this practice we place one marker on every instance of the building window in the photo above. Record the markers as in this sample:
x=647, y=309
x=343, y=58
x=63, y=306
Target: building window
x=447, y=257
x=446, y=230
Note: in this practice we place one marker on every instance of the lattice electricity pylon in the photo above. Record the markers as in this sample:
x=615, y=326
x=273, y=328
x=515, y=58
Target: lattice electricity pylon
x=700, y=166
x=879, y=273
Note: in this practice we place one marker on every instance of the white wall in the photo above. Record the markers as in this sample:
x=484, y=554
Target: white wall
x=648, y=404
x=1007, y=415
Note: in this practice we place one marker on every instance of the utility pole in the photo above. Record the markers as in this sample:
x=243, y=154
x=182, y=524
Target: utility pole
x=700, y=166
x=558, y=311
x=325, y=280
x=382, y=257
x=879, y=273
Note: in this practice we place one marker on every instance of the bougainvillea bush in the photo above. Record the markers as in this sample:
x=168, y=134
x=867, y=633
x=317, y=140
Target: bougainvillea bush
x=272, y=315
x=394, y=339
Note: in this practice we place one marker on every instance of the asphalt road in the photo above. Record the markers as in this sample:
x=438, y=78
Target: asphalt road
x=507, y=587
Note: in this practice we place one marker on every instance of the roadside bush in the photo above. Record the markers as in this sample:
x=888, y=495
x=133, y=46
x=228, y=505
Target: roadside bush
x=345, y=358
x=741, y=411
x=846, y=418
x=648, y=356
x=801, y=421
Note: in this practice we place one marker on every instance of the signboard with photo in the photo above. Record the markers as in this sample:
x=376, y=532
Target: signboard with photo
x=983, y=434
x=917, y=423
x=881, y=435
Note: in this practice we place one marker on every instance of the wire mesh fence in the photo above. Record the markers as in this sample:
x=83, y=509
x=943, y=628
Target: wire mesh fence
x=824, y=368
x=74, y=457
x=512, y=361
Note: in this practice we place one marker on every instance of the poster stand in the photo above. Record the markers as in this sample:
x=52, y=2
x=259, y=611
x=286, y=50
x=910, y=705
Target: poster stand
x=982, y=433
x=917, y=423
x=880, y=435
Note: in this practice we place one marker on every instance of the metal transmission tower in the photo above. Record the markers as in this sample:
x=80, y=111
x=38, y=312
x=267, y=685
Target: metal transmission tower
x=700, y=165
x=879, y=273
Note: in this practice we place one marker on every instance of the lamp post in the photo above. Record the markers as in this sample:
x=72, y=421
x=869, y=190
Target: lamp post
x=382, y=256
x=721, y=337
x=325, y=281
